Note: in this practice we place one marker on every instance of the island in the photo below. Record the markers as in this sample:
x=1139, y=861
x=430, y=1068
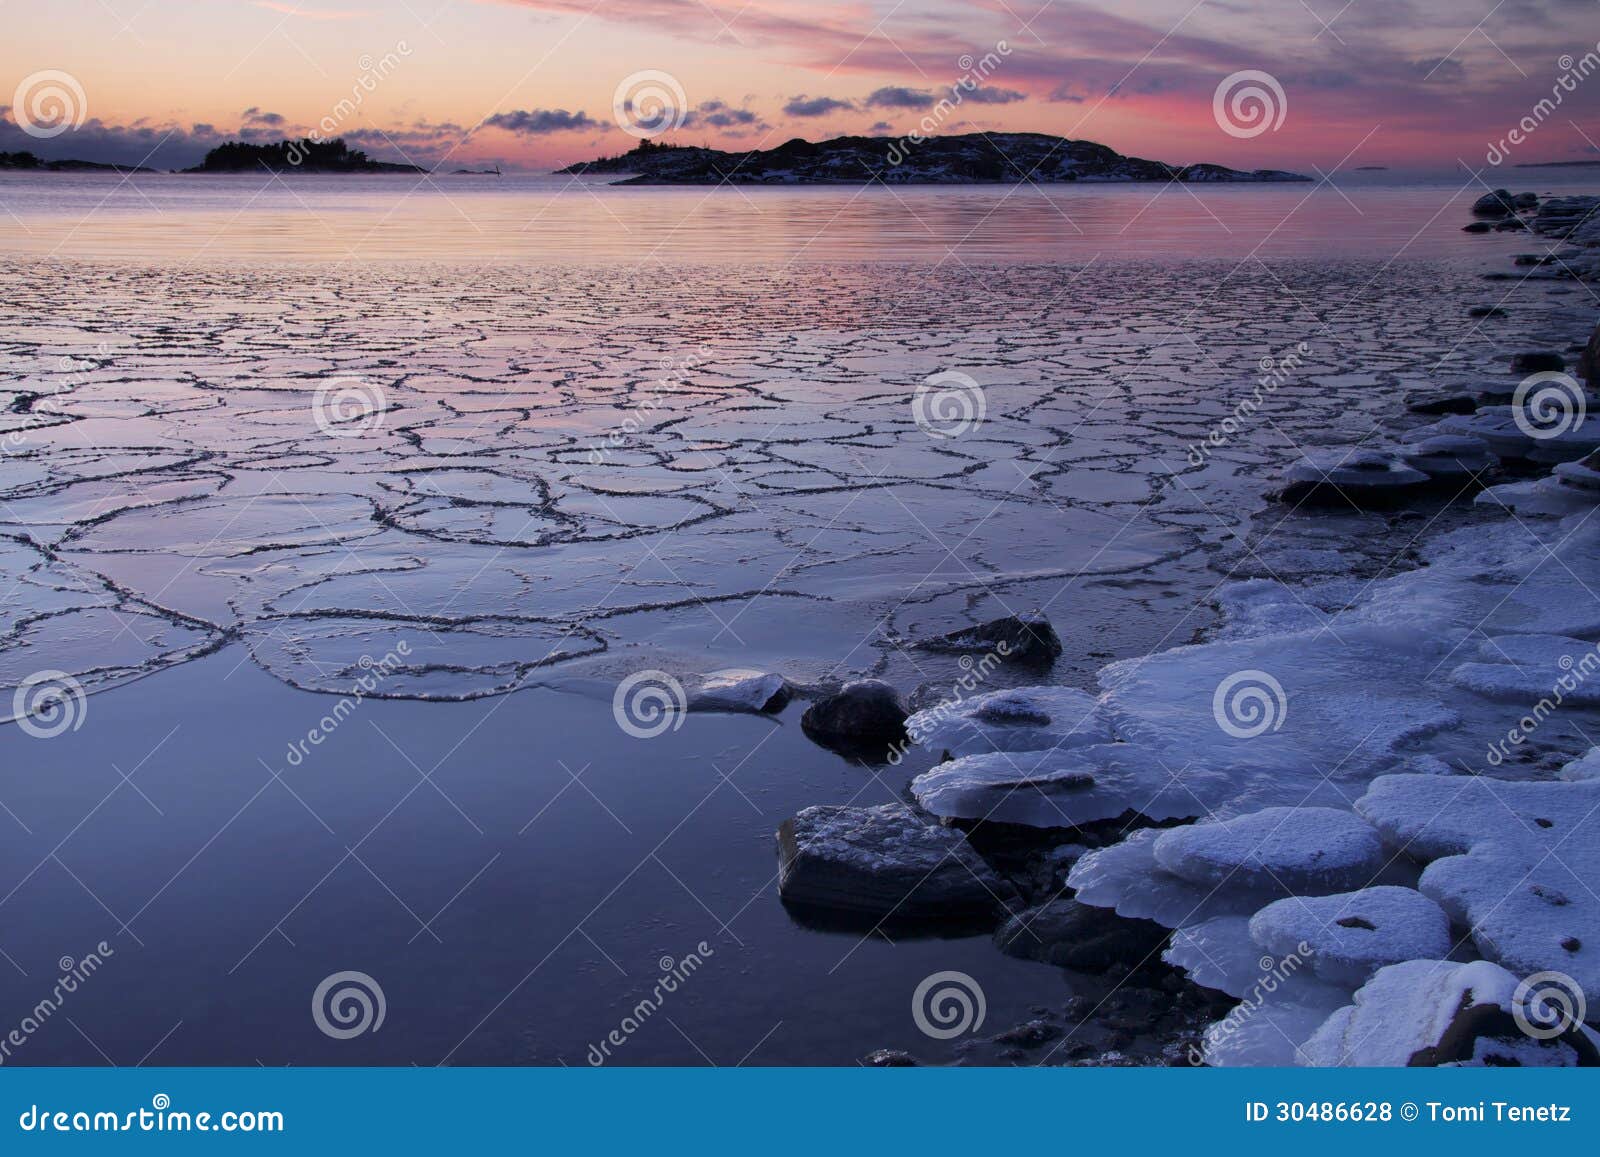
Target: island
x=28, y=161
x=302, y=156
x=964, y=159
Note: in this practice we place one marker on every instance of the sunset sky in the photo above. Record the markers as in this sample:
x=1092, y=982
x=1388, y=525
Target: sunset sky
x=530, y=84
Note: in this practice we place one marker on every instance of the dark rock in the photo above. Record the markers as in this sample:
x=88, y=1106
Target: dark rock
x=1538, y=361
x=1441, y=403
x=1589, y=363
x=1499, y=203
x=1511, y=225
x=863, y=716
x=1487, y=1034
x=1477, y=227
x=889, y=1059
x=1073, y=935
x=1486, y=311
x=885, y=863
x=1030, y=1035
x=1025, y=639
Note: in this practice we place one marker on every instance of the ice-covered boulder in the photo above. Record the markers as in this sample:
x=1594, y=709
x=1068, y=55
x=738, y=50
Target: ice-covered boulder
x=1522, y=433
x=1281, y=1001
x=739, y=689
x=1019, y=719
x=884, y=863
x=1042, y=789
x=1348, y=477
x=1533, y=668
x=1353, y=934
x=1586, y=766
x=1028, y=638
x=1184, y=876
x=866, y=716
x=1300, y=850
x=1582, y=475
x=1451, y=458
x=1436, y=1012
x=1515, y=861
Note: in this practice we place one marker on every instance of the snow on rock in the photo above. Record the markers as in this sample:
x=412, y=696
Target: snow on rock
x=1351, y=935
x=739, y=689
x=1528, y=668
x=1301, y=851
x=884, y=863
x=1019, y=719
x=1514, y=861
x=1042, y=789
x=1281, y=1001
x=1523, y=435
x=1184, y=876
x=1349, y=476
x=1451, y=458
x=1436, y=1012
x=1586, y=766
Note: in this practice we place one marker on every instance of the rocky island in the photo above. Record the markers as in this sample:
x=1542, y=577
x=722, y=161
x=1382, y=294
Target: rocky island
x=969, y=158
x=302, y=156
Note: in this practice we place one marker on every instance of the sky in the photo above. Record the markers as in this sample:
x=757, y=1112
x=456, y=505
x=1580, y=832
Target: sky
x=535, y=84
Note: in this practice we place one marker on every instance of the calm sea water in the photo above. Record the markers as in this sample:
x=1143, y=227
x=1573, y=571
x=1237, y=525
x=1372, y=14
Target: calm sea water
x=547, y=218
x=180, y=532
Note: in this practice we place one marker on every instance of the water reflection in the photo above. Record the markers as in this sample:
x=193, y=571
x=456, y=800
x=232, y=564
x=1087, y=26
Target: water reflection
x=544, y=218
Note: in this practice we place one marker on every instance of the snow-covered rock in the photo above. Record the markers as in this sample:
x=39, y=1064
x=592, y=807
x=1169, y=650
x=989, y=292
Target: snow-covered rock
x=1028, y=638
x=739, y=689
x=1531, y=668
x=1450, y=458
x=1300, y=851
x=1347, y=477
x=1435, y=1012
x=1352, y=934
x=885, y=863
x=1041, y=789
x=1516, y=862
x=1019, y=719
x=1513, y=433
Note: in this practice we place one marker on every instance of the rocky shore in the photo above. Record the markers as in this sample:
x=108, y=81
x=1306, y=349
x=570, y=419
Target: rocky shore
x=1358, y=824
